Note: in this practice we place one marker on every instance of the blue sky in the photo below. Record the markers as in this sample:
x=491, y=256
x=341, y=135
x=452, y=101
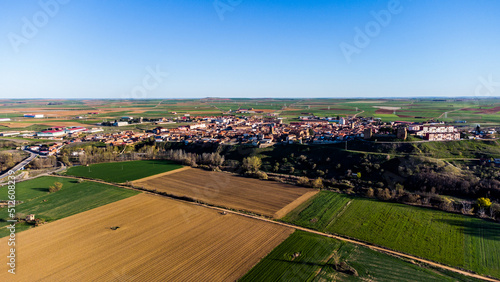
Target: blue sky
x=286, y=49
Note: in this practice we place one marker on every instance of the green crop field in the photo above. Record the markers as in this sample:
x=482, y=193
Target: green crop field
x=123, y=171
x=318, y=256
x=452, y=239
x=73, y=198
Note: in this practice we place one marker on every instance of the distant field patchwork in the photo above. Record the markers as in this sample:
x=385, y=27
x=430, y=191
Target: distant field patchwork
x=452, y=239
x=223, y=189
x=154, y=239
x=123, y=171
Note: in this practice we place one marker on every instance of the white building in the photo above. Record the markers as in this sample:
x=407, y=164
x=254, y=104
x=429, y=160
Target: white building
x=120, y=123
x=442, y=136
x=75, y=129
x=33, y=116
x=9, y=133
x=198, y=125
x=95, y=129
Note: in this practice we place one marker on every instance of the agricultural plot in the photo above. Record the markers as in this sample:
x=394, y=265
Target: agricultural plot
x=144, y=238
x=123, y=171
x=222, y=189
x=452, y=239
x=73, y=198
x=311, y=257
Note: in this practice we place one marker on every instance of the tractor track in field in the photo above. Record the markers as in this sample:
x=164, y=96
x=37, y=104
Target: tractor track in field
x=338, y=237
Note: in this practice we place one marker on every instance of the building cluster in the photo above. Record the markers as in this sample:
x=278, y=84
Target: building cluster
x=259, y=131
x=120, y=138
x=55, y=132
x=308, y=130
x=433, y=132
x=45, y=150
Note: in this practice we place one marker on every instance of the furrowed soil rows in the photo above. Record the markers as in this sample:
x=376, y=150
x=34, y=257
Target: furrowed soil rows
x=156, y=239
x=222, y=189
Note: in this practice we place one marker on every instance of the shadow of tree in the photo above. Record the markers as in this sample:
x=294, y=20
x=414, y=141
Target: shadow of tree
x=41, y=189
x=477, y=227
x=302, y=262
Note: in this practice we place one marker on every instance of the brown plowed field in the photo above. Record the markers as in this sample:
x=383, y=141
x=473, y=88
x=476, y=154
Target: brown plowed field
x=489, y=111
x=226, y=190
x=158, y=239
x=16, y=124
x=384, y=111
x=483, y=111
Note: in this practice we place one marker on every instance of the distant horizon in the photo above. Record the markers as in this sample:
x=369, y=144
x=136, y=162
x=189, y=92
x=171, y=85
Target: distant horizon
x=275, y=98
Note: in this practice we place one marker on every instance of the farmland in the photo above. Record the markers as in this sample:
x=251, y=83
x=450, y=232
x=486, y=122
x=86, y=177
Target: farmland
x=154, y=239
x=123, y=171
x=63, y=112
x=73, y=198
x=222, y=189
x=452, y=239
x=319, y=255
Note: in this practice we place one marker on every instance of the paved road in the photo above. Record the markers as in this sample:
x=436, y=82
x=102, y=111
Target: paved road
x=21, y=164
x=349, y=240
x=61, y=168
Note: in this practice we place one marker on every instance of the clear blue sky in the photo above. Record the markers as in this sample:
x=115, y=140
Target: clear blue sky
x=279, y=48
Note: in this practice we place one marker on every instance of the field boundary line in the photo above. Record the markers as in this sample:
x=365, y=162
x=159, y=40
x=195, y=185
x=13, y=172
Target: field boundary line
x=295, y=203
x=137, y=181
x=340, y=213
x=338, y=237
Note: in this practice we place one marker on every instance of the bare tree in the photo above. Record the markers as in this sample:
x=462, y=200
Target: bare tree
x=466, y=207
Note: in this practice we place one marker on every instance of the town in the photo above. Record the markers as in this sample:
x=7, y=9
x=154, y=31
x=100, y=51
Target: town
x=258, y=131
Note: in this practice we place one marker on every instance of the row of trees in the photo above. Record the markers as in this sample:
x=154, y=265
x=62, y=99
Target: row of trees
x=464, y=184
x=213, y=160
x=10, y=159
x=8, y=144
x=40, y=163
x=483, y=207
